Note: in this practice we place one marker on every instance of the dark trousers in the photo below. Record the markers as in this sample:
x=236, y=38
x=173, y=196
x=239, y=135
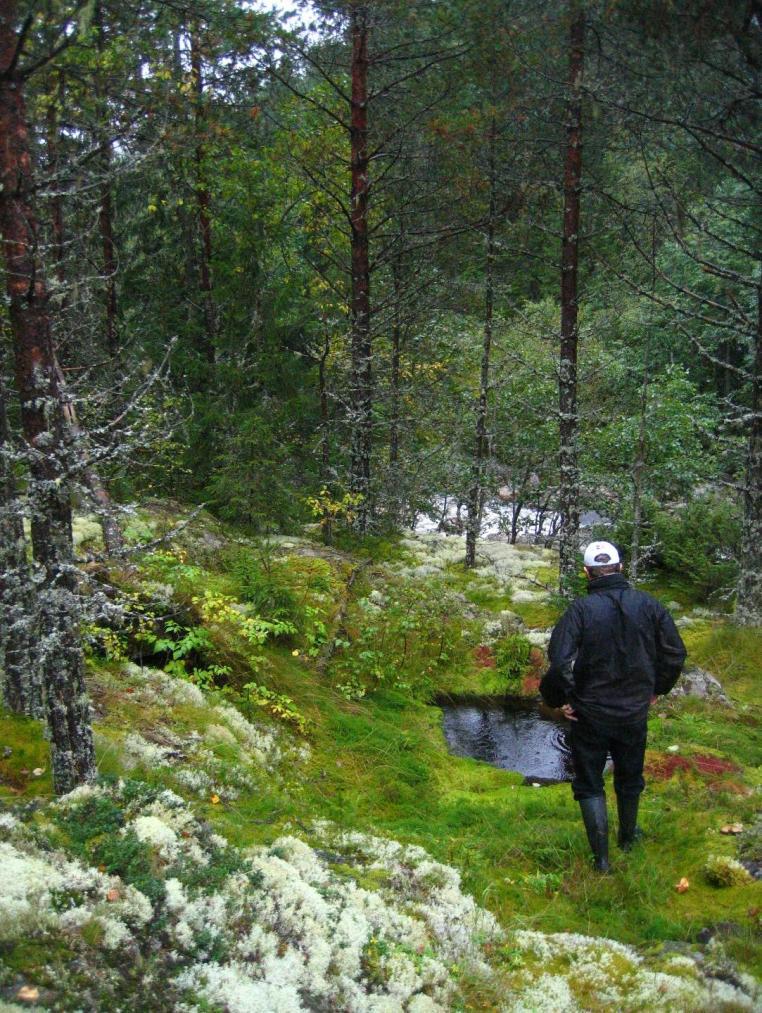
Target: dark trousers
x=592, y=741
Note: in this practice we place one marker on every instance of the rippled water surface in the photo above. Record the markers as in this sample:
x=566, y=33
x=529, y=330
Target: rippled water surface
x=509, y=736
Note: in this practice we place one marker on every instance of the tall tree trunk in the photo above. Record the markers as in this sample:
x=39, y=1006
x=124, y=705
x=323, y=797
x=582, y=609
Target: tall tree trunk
x=56, y=200
x=106, y=209
x=567, y=371
x=361, y=394
x=203, y=202
x=394, y=378
x=638, y=469
x=749, y=597
x=112, y=536
x=22, y=688
x=66, y=703
x=394, y=495
x=325, y=417
x=106, y=223
x=476, y=492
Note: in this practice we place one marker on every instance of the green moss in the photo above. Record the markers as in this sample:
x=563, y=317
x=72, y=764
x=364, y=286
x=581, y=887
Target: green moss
x=477, y=588
x=670, y=587
x=537, y=615
x=93, y=933
x=732, y=653
x=22, y=751
x=87, y=532
x=31, y=957
x=381, y=765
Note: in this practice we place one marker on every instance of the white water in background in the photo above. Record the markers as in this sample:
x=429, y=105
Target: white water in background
x=496, y=520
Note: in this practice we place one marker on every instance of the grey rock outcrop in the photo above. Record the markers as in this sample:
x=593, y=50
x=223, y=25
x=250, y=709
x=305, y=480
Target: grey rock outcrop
x=699, y=683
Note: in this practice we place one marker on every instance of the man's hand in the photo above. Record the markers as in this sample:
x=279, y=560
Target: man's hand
x=568, y=712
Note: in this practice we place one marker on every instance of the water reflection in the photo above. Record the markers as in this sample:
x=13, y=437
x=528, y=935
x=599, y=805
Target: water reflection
x=511, y=737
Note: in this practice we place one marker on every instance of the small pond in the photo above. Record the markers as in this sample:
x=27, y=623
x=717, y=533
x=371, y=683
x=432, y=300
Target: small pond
x=508, y=732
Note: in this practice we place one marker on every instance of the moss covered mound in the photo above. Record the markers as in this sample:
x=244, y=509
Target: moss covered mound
x=279, y=824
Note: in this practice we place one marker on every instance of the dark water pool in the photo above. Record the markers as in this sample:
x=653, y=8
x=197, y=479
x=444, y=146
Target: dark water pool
x=508, y=733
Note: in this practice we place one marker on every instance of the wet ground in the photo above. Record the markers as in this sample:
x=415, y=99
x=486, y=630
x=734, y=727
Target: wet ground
x=508, y=733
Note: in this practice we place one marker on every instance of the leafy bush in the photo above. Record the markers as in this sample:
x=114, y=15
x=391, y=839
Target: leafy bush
x=701, y=540
x=400, y=644
x=277, y=704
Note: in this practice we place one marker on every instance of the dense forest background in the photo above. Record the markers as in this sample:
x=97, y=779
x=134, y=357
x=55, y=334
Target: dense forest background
x=338, y=265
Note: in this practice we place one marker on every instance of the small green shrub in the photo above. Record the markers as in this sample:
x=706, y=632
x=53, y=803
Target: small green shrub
x=702, y=540
x=402, y=644
x=750, y=841
x=125, y=855
x=544, y=883
x=512, y=657
x=95, y=817
x=95, y=829
x=261, y=585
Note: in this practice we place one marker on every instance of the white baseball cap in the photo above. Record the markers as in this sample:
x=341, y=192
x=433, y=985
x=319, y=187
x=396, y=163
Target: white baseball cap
x=601, y=554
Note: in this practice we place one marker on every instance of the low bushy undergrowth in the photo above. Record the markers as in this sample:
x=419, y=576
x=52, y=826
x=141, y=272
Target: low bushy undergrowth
x=350, y=915
x=512, y=657
x=401, y=638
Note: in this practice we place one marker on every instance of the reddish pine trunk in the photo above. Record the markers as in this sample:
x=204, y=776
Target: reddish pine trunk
x=56, y=202
x=67, y=707
x=203, y=199
x=567, y=378
x=361, y=395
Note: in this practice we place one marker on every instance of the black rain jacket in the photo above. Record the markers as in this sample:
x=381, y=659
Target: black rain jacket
x=611, y=652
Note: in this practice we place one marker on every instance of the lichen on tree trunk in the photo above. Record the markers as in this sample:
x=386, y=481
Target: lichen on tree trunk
x=749, y=591
x=61, y=661
x=21, y=684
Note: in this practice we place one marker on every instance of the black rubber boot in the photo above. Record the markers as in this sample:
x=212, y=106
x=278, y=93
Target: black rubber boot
x=629, y=831
x=596, y=819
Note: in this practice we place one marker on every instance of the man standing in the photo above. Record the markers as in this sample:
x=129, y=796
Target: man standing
x=610, y=653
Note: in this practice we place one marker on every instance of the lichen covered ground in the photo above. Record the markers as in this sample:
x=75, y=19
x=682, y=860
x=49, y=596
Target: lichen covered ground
x=279, y=826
